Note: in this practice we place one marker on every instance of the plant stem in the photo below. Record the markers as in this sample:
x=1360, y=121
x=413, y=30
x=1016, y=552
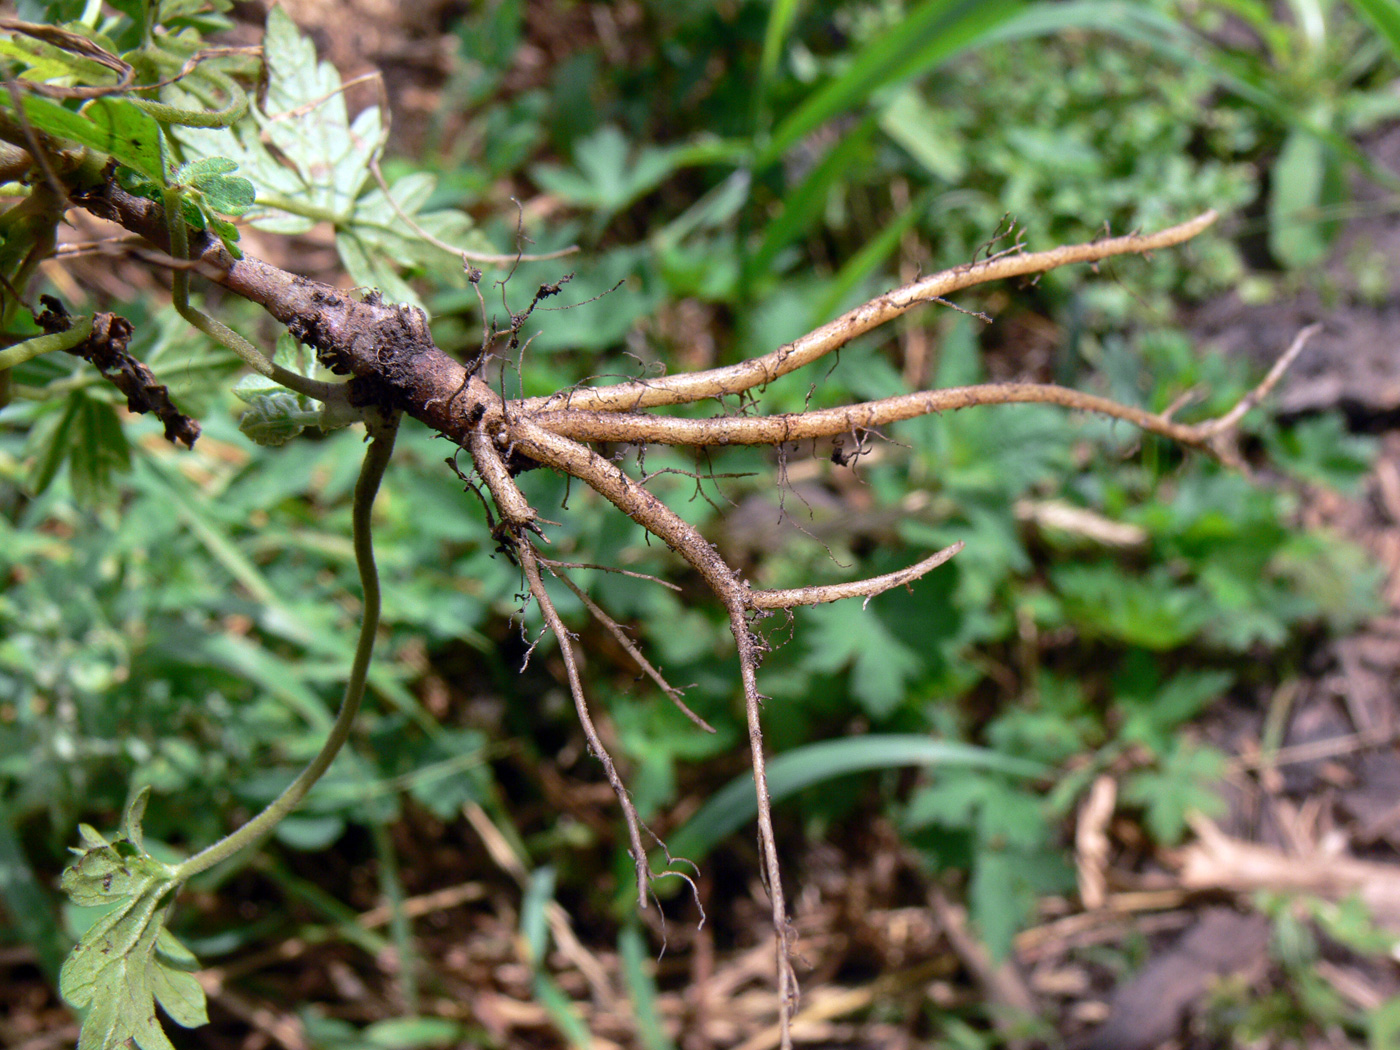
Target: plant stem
x=382, y=428
x=217, y=330
x=44, y=344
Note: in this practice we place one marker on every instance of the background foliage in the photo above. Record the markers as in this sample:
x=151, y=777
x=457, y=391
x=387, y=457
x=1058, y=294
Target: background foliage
x=737, y=173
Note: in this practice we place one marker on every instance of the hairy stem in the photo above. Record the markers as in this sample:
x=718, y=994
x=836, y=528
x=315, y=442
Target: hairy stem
x=609, y=481
x=44, y=344
x=531, y=567
x=217, y=330
x=382, y=432
x=757, y=371
x=748, y=645
x=827, y=422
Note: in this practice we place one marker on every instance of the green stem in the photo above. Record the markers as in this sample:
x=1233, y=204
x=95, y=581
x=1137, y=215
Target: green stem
x=231, y=113
x=391, y=886
x=44, y=344
x=382, y=429
x=307, y=211
x=217, y=330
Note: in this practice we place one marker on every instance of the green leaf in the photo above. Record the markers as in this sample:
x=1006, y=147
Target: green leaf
x=560, y=1008
x=780, y=18
x=1385, y=16
x=1350, y=922
x=917, y=43
x=216, y=188
x=373, y=270
x=88, y=435
x=43, y=62
x=139, y=11
x=309, y=162
x=1302, y=181
x=111, y=126
x=1323, y=451
x=98, y=451
x=847, y=634
x=999, y=813
x=735, y=804
x=929, y=135
x=608, y=173
x=27, y=901
x=414, y=1033
x=1154, y=711
x=275, y=414
x=228, y=233
x=803, y=204
x=304, y=117
x=126, y=962
x=318, y=158
x=1139, y=24
x=274, y=419
x=871, y=254
x=176, y=989
x=228, y=195
x=534, y=922
x=632, y=951
x=196, y=171
x=1000, y=898
x=1154, y=610
x=1383, y=1022
x=49, y=442
x=1181, y=784
x=1013, y=860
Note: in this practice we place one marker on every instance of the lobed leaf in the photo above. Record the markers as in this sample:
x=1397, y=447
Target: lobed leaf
x=127, y=961
x=1182, y=783
x=305, y=119
x=310, y=162
x=324, y=158
x=609, y=174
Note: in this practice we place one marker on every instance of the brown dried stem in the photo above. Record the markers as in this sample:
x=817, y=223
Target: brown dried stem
x=867, y=415
x=867, y=588
x=620, y=636
x=525, y=553
x=758, y=371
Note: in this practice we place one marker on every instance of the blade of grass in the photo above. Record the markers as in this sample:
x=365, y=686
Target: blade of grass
x=1385, y=16
x=803, y=204
x=734, y=805
x=278, y=677
x=194, y=509
x=344, y=918
x=534, y=920
x=391, y=890
x=713, y=209
x=534, y=933
x=780, y=19
x=165, y=481
x=561, y=1011
x=1311, y=19
x=929, y=35
x=632, y=950
x=861, y=265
